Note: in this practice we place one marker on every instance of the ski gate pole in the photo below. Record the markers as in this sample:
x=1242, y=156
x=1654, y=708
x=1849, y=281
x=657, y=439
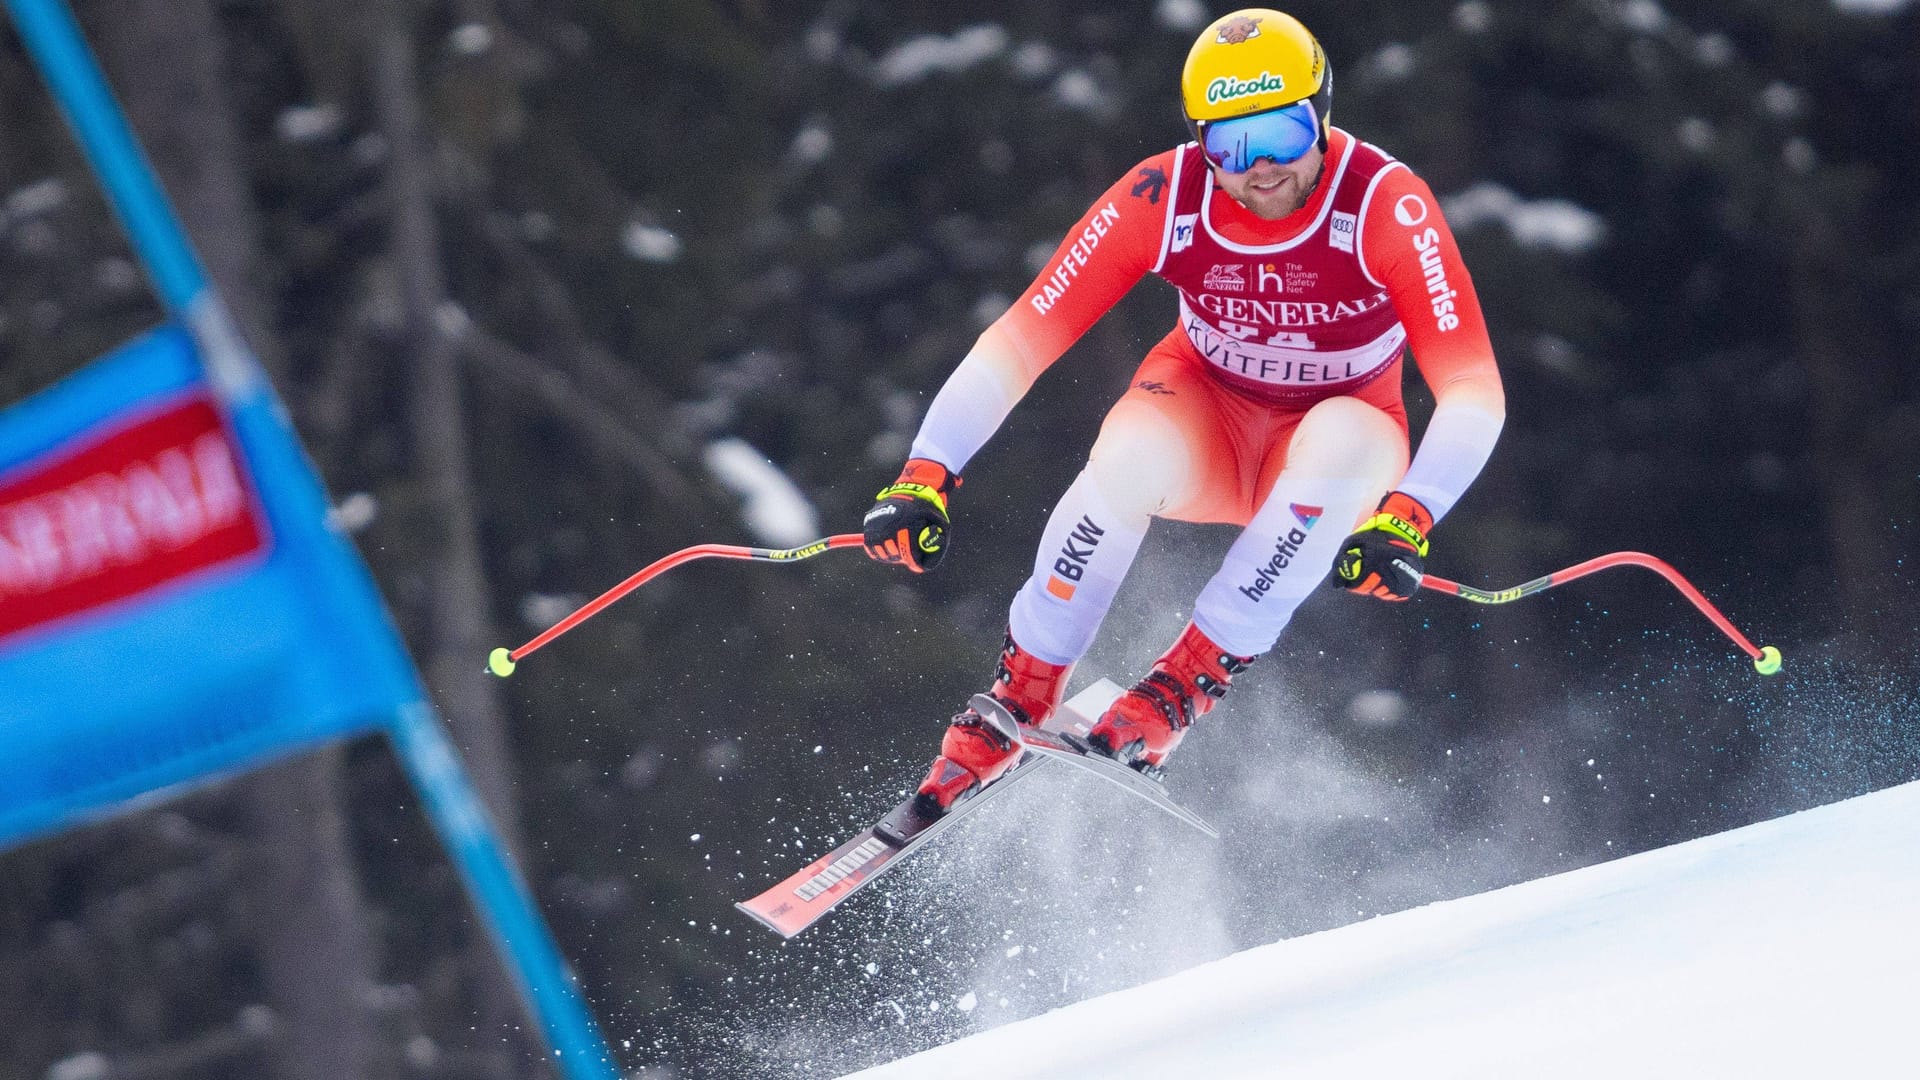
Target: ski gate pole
x=1766, y=660
x=502, y=661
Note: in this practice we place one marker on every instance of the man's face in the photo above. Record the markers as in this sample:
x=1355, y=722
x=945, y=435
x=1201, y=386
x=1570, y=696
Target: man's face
x=1273, y=191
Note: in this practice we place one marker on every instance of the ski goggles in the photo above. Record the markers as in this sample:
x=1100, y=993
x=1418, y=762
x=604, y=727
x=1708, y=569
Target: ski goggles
x=1282, y=135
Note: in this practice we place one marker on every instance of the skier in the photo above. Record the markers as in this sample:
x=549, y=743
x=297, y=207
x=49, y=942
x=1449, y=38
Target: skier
x=1307, y=262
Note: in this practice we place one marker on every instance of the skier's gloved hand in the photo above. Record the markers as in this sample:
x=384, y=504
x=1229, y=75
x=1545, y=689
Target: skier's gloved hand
x=1386, y=556
x=908, y=523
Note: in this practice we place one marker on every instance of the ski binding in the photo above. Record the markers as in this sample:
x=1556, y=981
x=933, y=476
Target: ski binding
x=1065, y=740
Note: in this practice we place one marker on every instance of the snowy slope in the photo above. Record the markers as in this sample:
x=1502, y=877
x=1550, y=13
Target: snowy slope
x=1789, y=948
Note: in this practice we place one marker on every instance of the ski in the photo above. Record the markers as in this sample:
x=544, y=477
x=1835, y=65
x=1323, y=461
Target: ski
x=1064, y=739
x=807, y=895
x=811, y=892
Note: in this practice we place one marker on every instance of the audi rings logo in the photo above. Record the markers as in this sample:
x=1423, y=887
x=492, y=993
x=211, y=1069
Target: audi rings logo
x=1411, y=210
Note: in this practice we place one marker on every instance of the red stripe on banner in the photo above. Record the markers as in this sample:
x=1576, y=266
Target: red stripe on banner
x=124, y=512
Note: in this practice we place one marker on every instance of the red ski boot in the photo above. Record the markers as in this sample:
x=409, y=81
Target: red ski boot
x=976, y=750
x=1143, y=725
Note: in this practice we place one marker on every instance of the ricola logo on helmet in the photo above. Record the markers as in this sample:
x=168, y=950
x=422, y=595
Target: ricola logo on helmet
x=1251, y=61
x=1227, y=88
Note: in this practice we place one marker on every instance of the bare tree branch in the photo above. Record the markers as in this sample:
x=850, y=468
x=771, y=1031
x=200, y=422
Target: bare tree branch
x=524, y=377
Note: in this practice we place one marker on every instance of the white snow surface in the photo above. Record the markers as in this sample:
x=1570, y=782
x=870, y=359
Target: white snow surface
x=1789, y=948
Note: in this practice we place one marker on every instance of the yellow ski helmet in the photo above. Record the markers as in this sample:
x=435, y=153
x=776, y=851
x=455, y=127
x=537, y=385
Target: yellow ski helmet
x=1251, y=61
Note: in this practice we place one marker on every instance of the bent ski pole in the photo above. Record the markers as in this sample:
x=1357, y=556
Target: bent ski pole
x=1766, y=660
x=502, y=661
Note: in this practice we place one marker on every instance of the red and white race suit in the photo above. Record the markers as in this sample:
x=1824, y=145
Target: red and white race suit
x=1274, y=403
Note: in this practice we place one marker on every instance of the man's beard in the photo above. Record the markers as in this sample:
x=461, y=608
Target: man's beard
x=1306, y=194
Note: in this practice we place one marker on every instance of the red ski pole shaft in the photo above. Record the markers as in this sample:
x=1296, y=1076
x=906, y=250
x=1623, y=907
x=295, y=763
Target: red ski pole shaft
x=502, y=661
x=1766, y=659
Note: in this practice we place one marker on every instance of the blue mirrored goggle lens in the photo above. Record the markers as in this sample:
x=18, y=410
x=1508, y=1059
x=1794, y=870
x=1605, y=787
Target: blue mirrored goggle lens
x=1285, y=135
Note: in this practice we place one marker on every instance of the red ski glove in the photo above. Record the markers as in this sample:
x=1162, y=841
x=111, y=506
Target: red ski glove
x=1386, y=556
x=908, y=523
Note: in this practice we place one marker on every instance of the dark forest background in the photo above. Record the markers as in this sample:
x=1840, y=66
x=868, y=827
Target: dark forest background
x=517, y=268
